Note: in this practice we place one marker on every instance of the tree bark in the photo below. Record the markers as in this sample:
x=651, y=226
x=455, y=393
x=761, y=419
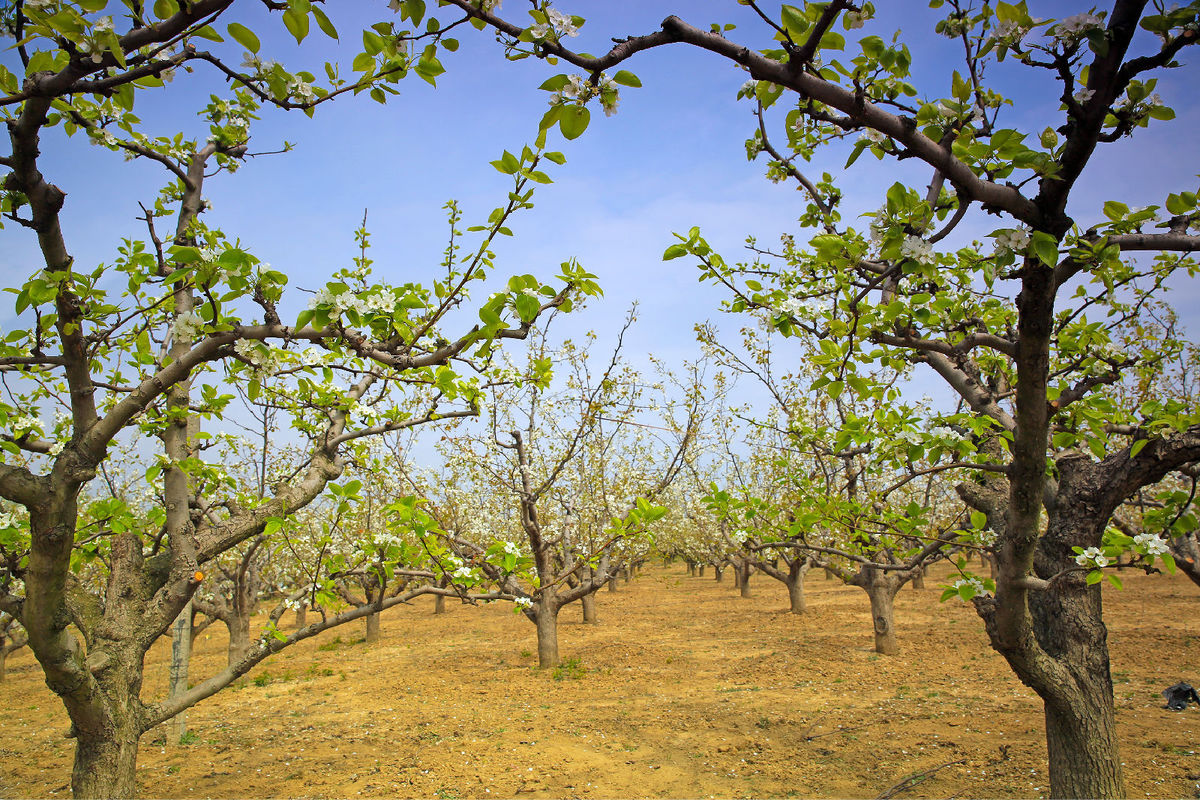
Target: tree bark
x=547, y=634
x=589, y=609
x=302, y=615
x=795, y=585
x=372, y=635
x=439, y=604
x=719, y=572
x=881, y=587
x=239, y=636
x=744, y=578
x=106, y=763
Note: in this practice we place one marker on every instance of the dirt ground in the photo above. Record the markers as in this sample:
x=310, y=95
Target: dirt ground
x=684, y=689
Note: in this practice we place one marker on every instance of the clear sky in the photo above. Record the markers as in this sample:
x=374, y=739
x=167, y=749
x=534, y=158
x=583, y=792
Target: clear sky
x=673, y=157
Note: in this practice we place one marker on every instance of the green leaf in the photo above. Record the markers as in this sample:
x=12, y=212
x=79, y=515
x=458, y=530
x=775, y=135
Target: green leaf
x=207, y=32
x=626, y=78
x=244, y=36
x=573, y=121
x=1045, y=247
x=1137, y=447
x=296, y=23
x=165, y=8
x=674, y=251
x=323, y=23
x=978, y=520
x=507, y=164
x=1094, y=577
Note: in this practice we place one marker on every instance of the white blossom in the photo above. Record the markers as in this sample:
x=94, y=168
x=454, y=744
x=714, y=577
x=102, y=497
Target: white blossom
x=917, y=249
x=523, y=602
x=853, y=20
x=873, y=136
x=1154, y=544
x=557, y=24
x=1092, y=556
x=186, y=326
x=1076, y=25
x=103, y=25
x=1014, y=240
x=1083, y=95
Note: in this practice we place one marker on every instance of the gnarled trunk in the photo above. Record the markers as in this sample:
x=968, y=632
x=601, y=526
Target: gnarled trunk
x=106, y=762
x=881, y=587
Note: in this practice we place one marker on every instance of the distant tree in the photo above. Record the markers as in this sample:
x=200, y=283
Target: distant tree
x=149, y=345
x=1024, y=331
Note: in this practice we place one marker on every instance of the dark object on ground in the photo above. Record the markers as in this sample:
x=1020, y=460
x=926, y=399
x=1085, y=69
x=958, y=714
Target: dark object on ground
x=1179, y=695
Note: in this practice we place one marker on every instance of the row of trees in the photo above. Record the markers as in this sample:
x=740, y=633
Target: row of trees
x=1071, y=441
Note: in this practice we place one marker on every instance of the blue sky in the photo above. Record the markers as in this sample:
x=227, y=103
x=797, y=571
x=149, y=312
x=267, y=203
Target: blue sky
x=673, y=157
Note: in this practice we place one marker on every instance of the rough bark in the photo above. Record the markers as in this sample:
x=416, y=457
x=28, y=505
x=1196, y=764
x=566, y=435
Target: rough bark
x=372, y=634
x=546, y=618
x=589, y=609
x=743, y=570
x=439, y=604
x=881, y=587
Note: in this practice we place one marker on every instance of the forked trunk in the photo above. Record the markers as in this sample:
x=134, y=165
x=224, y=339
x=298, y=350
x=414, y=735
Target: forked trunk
x=589, y=609
x=547, y=634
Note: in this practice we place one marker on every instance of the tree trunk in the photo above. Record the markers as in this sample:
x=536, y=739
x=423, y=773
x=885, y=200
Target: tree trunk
x=301, y=615
x=629, y=573
x=881, y=587
x=589, y=609
x=744, y=576
x=918, y=579
x=719, y=572
x=106, y=764
x=239, y=636
x=795, y=585
x=612, y=583
x=373, y=628
x=701, y=570
x=3, y=659
x=547, y=634
x=181, y=656
x=439, y=604
x=691, y=569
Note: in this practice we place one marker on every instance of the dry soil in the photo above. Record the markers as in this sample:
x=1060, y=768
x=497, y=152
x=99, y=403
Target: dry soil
x=683, y=689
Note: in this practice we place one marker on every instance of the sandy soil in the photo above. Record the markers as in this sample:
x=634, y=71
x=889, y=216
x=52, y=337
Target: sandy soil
x=684, y=689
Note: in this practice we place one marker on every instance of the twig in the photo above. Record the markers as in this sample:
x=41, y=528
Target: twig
x=916, y=778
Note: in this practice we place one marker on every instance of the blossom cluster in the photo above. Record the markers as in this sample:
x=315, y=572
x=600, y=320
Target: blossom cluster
x=557, y=25
x=580, y=90
x=1092, y=557
x=1073, y=27
x=1012, y=240
x=974, y=585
